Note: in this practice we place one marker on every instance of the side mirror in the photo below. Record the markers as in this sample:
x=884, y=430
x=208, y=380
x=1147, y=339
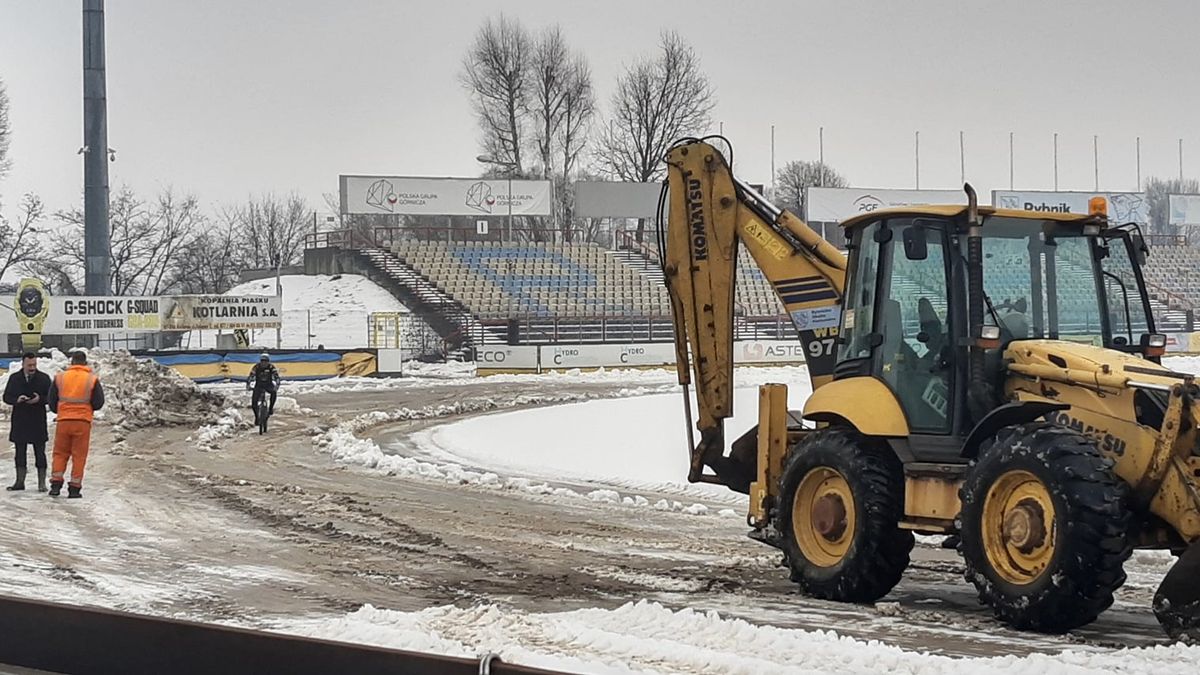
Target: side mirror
x=1140, y=249
x=916, y=244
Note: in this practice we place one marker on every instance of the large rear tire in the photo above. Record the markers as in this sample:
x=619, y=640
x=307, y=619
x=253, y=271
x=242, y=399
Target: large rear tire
x=1044, y=528
x=841, y=499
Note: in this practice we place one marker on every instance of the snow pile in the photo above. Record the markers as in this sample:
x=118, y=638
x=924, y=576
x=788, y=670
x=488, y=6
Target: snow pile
x=209, y=436
x=144, y=393
x=140, y=392
x=647, y=637
x=345, y=447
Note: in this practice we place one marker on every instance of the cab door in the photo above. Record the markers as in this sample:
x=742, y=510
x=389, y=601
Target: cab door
x=896, y=324
x=915, y=355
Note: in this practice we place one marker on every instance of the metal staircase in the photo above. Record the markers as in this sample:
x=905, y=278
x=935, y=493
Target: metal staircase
x=452, y=321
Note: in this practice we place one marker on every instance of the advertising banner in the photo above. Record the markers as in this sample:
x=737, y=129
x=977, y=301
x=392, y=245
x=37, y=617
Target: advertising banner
x=611, y=199
x=1183, y=209
x=220, y=312
x=88, y=314
x=768, y=351
x=833, y=205
x=36, y=312
x=443, y=196
x=607, y=356
x=1123, y=207
x=501, y=357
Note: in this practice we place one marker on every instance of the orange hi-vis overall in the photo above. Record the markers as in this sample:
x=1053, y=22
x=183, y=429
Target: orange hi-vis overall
x=73, y=431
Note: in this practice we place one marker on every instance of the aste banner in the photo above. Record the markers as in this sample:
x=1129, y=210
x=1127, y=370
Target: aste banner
x=221, y=312
x=443, y=196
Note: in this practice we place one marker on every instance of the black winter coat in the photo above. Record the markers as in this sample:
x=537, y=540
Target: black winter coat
x=28, y=420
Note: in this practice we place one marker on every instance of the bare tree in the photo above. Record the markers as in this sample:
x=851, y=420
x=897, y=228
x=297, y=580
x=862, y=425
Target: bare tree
x=270, y=230
x=578, y=111
x=5, y=130
x=549, y=72
x=656, y=102
x=793, y=177
x=207, y=263
x=18, y=241
x=145, y=242
x=497, y=72
x=1157, y=191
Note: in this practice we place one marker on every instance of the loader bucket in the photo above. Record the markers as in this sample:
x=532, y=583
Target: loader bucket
x=1177, y=601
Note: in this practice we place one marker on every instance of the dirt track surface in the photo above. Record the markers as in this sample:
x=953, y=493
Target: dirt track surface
x=264, y=528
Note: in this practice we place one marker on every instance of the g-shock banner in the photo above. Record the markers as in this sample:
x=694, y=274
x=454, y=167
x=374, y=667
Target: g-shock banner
x=36, y=312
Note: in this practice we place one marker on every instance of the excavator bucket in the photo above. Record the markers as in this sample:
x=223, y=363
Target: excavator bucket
x=1177, y=601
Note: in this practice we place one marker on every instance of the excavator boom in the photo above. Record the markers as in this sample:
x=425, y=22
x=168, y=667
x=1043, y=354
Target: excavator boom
x=710, y=212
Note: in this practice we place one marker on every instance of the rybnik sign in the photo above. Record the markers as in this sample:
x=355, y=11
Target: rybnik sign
x=1123, y=207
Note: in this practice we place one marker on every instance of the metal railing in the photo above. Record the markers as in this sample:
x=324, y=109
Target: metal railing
x=107, y=641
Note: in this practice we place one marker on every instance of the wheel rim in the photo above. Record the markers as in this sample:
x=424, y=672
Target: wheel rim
x=823, y=516
x=1018, y=527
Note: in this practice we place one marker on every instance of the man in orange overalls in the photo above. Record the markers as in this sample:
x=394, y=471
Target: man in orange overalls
x=75, y=395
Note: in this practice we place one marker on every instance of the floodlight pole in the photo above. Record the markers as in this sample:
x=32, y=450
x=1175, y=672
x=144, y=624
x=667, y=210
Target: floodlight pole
x=96, y=153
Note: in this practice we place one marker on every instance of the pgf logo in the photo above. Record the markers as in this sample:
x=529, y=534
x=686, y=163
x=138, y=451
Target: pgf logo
x=867, y=203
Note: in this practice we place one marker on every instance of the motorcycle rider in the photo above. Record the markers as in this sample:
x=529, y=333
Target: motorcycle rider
x=264, y=376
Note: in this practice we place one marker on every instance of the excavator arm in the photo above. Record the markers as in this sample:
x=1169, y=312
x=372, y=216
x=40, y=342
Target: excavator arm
x=710, y=212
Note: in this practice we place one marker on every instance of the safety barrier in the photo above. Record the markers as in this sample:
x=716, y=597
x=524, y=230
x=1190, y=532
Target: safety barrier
x=61, y=638
x=212, y=366
x=292, y=365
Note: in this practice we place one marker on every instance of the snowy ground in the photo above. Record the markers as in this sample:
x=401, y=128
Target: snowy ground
x=318, y=310
x=541, y=517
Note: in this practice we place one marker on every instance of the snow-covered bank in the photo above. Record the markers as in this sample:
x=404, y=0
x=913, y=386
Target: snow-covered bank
x=647, y=637
x=344, y=444
x=635, y=443
x=317, y=310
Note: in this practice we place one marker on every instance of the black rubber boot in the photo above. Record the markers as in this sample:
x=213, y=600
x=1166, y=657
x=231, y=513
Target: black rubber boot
x=74, y=492
x=41, y=480
x=18, y=484
x=55, y=488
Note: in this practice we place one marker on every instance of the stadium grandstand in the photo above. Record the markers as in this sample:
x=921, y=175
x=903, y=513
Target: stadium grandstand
x=492, y=292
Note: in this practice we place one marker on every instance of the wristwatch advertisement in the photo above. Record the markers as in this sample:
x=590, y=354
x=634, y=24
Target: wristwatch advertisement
x=32, y=306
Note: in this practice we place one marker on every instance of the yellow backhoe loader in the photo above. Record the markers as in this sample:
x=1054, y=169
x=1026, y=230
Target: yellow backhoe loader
x=986, y=373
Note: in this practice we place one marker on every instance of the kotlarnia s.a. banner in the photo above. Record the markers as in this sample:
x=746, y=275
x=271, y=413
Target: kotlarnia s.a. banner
x=221, y=312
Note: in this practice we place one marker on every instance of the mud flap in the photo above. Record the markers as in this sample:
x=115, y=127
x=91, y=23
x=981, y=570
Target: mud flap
x=1177, y=601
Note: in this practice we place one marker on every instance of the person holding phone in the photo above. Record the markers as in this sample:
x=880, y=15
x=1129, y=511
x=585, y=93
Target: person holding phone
x=27, y=392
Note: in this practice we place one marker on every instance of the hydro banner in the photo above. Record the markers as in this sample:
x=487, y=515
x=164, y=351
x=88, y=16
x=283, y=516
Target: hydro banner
x=833, y=205
x=1123, y=207
x=443, y=196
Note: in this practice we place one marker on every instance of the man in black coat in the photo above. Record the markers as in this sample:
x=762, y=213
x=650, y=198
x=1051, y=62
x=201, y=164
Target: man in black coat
x=27, y=392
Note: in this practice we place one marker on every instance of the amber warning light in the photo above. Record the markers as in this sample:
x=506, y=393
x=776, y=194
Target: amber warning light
x=1098, y=206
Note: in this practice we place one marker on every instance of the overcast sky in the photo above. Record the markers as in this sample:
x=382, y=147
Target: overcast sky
x=225, y=98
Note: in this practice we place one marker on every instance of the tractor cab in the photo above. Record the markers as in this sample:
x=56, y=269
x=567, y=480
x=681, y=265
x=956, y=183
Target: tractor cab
x=908, y=319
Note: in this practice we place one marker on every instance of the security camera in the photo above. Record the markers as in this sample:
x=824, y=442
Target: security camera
x=112, y=155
